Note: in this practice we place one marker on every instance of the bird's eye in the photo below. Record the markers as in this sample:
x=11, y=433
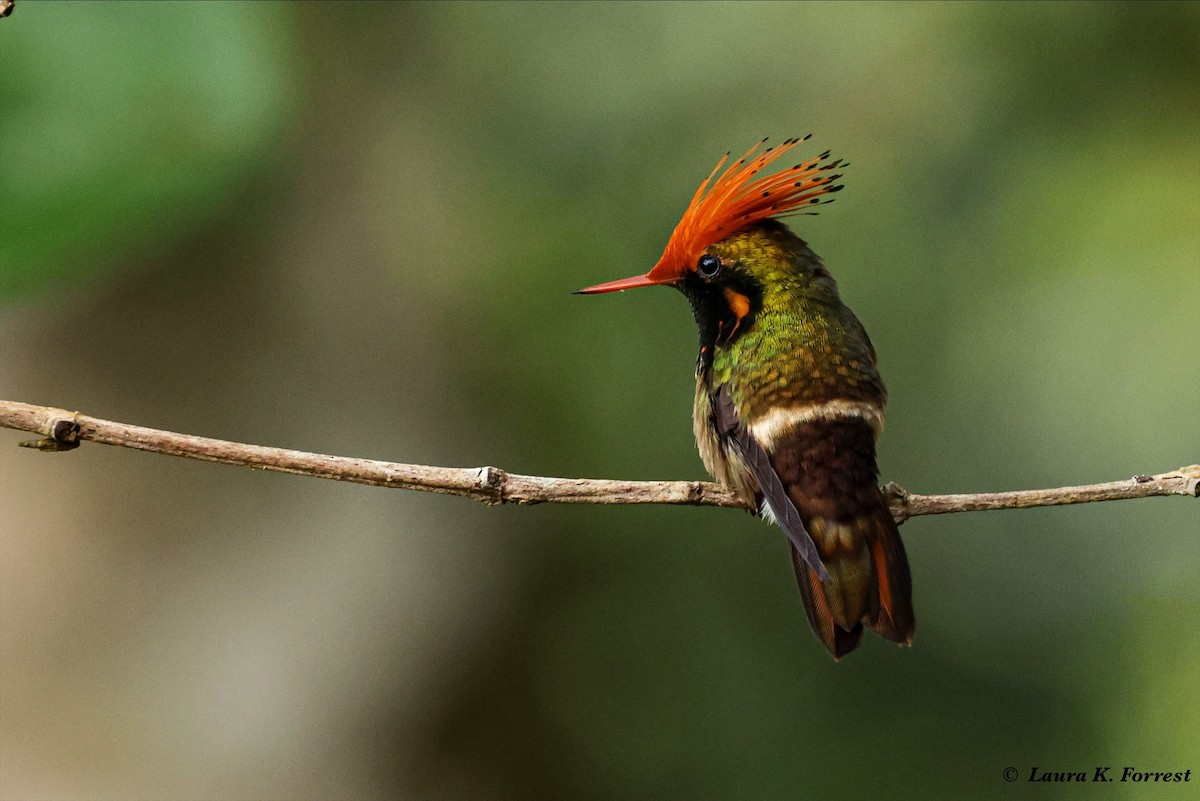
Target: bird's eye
x=708, y=266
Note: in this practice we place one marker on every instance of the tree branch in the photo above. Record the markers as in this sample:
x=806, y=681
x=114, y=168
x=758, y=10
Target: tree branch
x=63, y=430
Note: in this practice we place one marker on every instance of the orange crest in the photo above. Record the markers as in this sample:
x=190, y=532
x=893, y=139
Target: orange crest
x=737, y=199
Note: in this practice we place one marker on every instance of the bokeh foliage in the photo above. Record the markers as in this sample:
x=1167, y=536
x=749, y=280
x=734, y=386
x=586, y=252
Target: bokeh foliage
x=127, y=134
x=354, y=228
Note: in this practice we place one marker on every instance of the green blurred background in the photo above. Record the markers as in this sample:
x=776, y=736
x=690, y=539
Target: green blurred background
x=355, y=229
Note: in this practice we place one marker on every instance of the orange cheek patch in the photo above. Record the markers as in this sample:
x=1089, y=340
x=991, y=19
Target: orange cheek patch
x=739, y=304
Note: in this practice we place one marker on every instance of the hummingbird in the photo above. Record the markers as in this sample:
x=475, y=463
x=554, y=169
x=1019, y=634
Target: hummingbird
x=789, y=402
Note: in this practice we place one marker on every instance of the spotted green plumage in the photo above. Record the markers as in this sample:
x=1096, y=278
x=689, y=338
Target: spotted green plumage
x=805, y=345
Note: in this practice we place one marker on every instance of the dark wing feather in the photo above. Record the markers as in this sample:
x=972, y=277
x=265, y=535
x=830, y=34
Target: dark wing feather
x=774, y=495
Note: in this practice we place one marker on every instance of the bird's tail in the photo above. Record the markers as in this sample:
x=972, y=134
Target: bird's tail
x=829, y=471
x=870, y=584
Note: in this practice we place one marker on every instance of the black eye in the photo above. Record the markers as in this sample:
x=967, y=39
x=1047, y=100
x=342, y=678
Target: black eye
x=708, y=266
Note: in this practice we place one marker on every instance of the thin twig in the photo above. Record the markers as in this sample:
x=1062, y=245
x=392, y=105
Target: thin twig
x=63, y=430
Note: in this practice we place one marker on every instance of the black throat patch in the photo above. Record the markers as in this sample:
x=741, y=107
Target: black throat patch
x=724, y=309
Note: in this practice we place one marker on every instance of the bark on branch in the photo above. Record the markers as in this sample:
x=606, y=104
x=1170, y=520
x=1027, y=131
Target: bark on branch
x=63, y=430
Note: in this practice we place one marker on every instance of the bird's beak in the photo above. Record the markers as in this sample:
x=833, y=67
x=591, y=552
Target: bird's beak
x=627, y=283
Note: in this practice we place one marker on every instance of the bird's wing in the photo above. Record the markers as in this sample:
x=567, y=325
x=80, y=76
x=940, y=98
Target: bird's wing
x=730, y=429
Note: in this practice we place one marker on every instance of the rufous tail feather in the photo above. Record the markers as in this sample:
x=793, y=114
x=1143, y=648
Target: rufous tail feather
x=870, y=586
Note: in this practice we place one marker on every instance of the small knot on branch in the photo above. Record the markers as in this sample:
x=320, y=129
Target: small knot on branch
x=897, y=500
x=492, y=481
x=1191, y=478
x=62, y=434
